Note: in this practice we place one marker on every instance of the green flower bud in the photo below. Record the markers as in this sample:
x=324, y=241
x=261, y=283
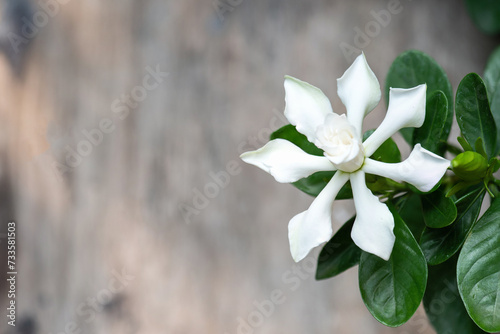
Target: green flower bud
x=470, y=166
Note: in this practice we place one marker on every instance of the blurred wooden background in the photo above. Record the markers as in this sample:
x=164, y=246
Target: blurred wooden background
x=120, y=240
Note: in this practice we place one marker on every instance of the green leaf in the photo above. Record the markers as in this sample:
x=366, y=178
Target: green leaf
x=439, y=211
x=443, y=304
x=492, y=80
x=478, y=271
x=412, y=68
x=492, y=72
x=485, y=14
x=392, y=290
x=387, y=152
x=431, y=132
x=473, y=113
x=494, y=99
x=440, y=244
x=410, y=210
x=339, y=254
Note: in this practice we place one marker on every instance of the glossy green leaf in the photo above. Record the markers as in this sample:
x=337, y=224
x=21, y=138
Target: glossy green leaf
x=473, y=113
x=492, y=72
x=410, y=209
x=338, y=254
x=412, y=68
x=438, y=210
x=492, y=82
x=485, y=14
x=443, y=304
x=392, y=290
x=430, y=133
x=440, y=244
x=494, y=99
x=478, y=271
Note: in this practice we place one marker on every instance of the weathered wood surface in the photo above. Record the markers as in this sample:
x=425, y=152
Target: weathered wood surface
x=122, y=206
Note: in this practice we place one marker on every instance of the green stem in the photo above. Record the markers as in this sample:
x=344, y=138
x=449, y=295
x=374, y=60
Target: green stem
x=488, y=189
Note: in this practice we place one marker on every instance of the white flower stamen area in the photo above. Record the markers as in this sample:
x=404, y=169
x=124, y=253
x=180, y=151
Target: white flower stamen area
x=337, y=137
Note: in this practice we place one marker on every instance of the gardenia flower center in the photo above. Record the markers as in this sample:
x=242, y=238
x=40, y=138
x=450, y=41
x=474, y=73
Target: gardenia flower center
x=337, y=137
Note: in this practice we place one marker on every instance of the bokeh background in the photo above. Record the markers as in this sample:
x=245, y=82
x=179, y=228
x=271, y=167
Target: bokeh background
x=155, y=225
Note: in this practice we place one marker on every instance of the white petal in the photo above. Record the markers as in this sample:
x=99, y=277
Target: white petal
x=313, y=227
x=406, y=109
x=306, y=106
x=422, y=169
x=286, y=161
x=359, y=90
x=374, y=224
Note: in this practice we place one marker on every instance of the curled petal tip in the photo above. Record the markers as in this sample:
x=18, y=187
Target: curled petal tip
x=303, y=237
x=373, y=228
x=306, y=106
x=406, y=109
x=408, y=106
x=359, y=90
x=422, y=169
x=313, y=227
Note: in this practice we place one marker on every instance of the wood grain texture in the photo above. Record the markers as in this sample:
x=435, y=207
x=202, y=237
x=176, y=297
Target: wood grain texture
x=123, y=206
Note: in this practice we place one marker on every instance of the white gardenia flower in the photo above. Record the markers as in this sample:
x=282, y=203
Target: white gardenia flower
x=340, y=138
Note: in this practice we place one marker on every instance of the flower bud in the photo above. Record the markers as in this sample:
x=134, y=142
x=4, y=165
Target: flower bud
x=469, y=166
